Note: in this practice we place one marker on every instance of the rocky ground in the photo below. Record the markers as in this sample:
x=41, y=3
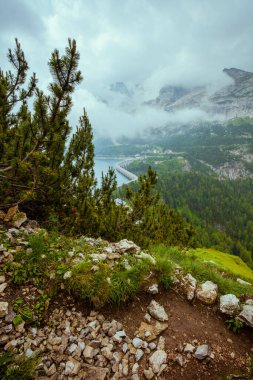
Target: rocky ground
x=175, y=334
x=181, y=340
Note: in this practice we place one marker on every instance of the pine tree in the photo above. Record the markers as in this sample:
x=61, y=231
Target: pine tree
x=52, y=178
x=33, y=144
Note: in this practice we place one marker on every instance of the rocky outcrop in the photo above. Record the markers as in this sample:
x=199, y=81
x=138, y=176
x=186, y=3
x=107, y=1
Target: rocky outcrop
x=13, y=217
x=231, y=101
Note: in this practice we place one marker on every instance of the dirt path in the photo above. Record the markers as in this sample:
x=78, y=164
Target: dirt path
x=191, y=322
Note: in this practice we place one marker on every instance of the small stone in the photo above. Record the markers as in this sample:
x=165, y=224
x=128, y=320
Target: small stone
x=135, y=368
x=148, y=373
x=189, y=284
x=125, y=348
x=127, y=246
x=89, y=352
x=189, y=348
x=95, y=373
x=229, y=304
x=119, y=335
x=106, y=352
x=207, y=293
x=18, y=219
x=55, y=341
x=180, y=360
x=246, y=315
x=156, y=360
x=51, y=370
x=137, y=342
x=152, y=346
x=11, y=344
x=72, y=348
x=202, y=352
x=153, y=289
x=139, y=354
x=3, y=309
x=161, y=343
x=72, y=367
x=157, y=311
x=29, y=353
x=81, y=346
x=96, y=257
x=232, y=355
x=147, y=318
x=2, y=279
x=243, y=282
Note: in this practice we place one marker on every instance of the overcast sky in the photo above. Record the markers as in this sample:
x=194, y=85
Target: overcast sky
x=148, y=43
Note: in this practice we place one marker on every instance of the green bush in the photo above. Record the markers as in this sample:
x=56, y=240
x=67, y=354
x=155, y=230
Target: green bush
x=17, y=367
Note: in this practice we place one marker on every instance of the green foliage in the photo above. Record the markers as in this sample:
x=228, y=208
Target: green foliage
x=17, y=367
x=17, y=320
x=105, y=285
x=24, y=311
x=50, y=173
x=230, y=263
x=203, y=269
x=234, y=324
x=126, y=283
x=221, y=211
x=164, y=269
x=41, y=306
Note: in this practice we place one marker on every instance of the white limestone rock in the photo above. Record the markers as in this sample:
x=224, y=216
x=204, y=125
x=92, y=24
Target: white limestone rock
x=153, y=289
x=127, y=246
x=3, y=309
x=243, y=282
x=202, y=352
x=189, y=284
x=246, y=315
x=229, y=304
x=72, y=367
x=157, y=311
x=207, y=293
x=189, y=348
x=3, y=286
x=157, y=359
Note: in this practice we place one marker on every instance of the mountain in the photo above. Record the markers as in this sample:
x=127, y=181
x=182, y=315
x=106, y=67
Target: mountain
x=120, y=88
x=235, y=100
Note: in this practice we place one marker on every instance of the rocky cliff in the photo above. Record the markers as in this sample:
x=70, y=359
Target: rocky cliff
x=235, y=100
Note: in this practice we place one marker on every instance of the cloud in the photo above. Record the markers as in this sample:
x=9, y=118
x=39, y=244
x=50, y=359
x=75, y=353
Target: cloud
x=143, y=43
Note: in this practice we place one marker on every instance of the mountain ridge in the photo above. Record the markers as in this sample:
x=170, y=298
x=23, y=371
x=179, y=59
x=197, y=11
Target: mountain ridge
x=233, y=100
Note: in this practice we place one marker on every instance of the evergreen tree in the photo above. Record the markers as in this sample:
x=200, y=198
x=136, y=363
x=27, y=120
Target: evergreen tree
x=33, y=145
x=52, y=178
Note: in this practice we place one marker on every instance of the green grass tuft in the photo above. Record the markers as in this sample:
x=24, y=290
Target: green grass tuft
x=212, y=265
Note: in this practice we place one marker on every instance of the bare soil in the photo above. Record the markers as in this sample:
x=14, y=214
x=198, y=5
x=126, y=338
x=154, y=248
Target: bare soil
x=190, y=322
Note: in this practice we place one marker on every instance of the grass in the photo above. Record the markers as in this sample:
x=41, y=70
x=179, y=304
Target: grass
x=229, y=263
x=164, y=269
x=107, y=285
x=204, y=267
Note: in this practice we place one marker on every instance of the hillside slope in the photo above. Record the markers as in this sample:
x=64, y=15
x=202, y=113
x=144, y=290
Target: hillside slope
x=83, y=308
